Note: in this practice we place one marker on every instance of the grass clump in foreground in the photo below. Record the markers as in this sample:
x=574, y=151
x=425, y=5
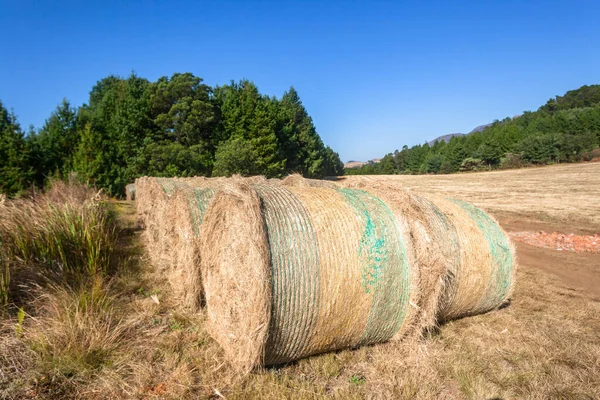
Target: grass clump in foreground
x=65, y=235
x=56, y=315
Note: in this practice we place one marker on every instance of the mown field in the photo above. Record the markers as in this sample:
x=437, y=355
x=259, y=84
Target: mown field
x=122, y=336
x=559, y=194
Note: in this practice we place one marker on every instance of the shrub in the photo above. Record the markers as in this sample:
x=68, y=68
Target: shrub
x=512, y=160
x=471, y=164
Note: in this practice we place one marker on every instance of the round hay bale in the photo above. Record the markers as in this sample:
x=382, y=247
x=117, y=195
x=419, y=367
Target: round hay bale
x=236, y=274
x=181, y=225
x=186, y=213
x=425, y=253
x=293, y=271
x=479, y=258
x=153, y=196
x=481, y=277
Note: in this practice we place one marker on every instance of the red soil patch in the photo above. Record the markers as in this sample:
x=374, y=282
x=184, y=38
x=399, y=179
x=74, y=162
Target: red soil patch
x=559, y=241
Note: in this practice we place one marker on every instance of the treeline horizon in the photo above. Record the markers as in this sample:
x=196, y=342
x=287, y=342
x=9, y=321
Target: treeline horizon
x=565, y=129
x=174, y=126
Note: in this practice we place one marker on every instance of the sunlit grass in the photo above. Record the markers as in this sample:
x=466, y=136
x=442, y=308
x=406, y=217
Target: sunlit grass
x=62, y=238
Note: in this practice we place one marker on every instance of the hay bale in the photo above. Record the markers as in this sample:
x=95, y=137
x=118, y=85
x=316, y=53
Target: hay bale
x=130, y=192
x=426, y=252
x=480, y=259
x=186, y=213
x=153, y=196
x=180, y=221
x=293, y=271
x=482, y=272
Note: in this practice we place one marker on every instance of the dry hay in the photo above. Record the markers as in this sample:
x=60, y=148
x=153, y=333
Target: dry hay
x=480, y=259
x=481, y=274
x=185, y=214
x=152, y=198
x=299, y=181
x=173, y=219
x=293, y=271
x=427, y=243
x=181, y=235
x=152, y=202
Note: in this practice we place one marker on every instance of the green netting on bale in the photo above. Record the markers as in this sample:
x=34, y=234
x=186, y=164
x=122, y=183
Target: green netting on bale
x=330, y=248
x=385, y=272
x=295, y=274
x=170, y=185
x=501, y=255
x=198, y=201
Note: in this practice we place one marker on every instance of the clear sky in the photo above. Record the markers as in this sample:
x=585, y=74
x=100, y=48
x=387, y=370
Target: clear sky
x=373, y=75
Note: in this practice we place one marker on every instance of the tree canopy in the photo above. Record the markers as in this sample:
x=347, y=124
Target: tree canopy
x=175, y=126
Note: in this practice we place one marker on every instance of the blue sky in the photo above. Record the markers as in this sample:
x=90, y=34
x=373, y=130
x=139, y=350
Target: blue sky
x=373, y=75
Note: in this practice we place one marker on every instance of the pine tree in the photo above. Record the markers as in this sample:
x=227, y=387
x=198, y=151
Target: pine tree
x=15, y=172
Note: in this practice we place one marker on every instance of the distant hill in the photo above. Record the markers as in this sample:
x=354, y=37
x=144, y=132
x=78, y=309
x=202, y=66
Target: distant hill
x=481, y=128
x=358, y=164
x=446, y=138
x=354, y=164
x=585, y=96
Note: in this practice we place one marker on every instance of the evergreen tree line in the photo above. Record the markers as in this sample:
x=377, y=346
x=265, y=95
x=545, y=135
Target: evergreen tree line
x=565, y=129
x=176, y=126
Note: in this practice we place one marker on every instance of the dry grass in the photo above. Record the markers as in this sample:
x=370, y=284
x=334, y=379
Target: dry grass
x=560, y=193
x=545, y=345
x=125, y=337
x=64, y=235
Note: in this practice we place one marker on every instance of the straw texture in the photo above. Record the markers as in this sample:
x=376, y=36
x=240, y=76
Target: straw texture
x=186, y=211
x=236, y=275
x=299, y=181
x=479, y=258
x=425, y=251
x=338, y=270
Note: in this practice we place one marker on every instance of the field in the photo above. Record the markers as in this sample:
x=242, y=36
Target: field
x=131, y=341
x=559, y=194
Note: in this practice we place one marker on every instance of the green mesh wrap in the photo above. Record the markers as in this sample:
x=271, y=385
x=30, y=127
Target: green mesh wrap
x=386, y=266
x=502, y=259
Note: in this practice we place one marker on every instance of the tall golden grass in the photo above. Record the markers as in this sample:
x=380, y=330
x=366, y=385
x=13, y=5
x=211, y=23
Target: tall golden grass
x=66, y=234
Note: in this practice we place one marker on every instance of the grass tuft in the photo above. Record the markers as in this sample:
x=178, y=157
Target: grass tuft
x=67, y=235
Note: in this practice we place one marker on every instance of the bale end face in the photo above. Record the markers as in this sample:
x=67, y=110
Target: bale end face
x=236, y=275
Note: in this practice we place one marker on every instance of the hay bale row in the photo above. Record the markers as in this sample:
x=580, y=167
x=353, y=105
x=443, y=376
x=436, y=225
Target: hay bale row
x=171, y=210
x=298, y=267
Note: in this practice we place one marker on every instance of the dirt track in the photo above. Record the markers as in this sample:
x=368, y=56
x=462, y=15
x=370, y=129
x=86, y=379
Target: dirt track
x=579, y=271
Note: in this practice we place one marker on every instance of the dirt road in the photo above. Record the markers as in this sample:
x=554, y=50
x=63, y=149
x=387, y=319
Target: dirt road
x=579, y=271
